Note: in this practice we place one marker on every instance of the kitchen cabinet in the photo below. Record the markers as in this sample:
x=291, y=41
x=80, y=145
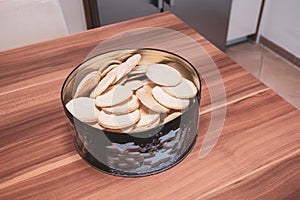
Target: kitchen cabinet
x=244, y=18
x=221, y=22
x=112, y=11
x=208, y=17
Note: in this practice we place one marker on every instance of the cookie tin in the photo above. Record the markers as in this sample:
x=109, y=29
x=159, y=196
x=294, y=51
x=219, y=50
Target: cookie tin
x=138, y=153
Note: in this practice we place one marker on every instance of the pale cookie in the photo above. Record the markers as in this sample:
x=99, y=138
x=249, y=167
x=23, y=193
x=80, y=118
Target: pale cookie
x=132, y=62
x=119, y=71
x=135, y=72
x=122, y=80
x=185, y=89
x=156, y=123
x=98, y=126
x=144, y=128
x=147, y=127
x=148, y=117
x=123, y=130
x=124, y=68
x=103, y=85
x=138, y=70
x=147, y=81
x=128, y=129
x=172, y=116
x=169, y=101
x=87, y=84
x=83, y=108
x=145, y=96
x=134, y=85
x=118, y=121
x=141, y=67
x=108, y=69
x=164, y=75
x=125, y=107
x=115, y=95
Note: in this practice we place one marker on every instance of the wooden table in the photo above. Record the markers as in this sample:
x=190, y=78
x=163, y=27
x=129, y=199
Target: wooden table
x=256, y=157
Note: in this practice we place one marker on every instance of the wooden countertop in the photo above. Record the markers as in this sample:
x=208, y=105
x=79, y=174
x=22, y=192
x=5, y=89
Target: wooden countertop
x=257, y=155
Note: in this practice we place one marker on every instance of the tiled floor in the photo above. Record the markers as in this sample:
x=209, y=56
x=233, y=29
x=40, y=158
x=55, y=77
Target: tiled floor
x=273, y=70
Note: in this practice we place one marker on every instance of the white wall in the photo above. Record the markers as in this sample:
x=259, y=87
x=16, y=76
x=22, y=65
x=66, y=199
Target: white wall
x=25, y=22
x=281, y=24
x=74, y=15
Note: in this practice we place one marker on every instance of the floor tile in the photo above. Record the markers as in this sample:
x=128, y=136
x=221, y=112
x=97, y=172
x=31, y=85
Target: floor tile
x=276, y=72
x=280, y=75
x=247, y=55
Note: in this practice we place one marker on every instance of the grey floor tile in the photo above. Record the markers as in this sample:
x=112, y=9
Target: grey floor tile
x=280, y=75
x=247, y=55
x=277, y=73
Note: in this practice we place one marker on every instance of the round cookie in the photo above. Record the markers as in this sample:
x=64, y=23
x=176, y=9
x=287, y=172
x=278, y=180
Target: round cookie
x=114, y=96
x=122, y=80
x=83, y=108
x=125, y=107
x=119, y=71
x=169, y=101
x=138, y=70
x=108, y=69
x=141, y=67
x=118, y=121
x=87, y=84
x=143, y=128
x=122, y=130
x=185, y=89
x=134, y=85
x=132, y=62
x=135, y=72
x=155, y=123
x=97, y=125
x=148, y=117
x=163, y=75
x=172, y=116
x=103, y=85
x=124, y=68
x=145, y=96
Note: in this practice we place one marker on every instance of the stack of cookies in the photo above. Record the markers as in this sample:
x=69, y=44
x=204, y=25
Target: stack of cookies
x=128, y=97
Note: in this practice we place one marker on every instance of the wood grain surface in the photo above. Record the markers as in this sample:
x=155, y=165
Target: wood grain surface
x=256, y=157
